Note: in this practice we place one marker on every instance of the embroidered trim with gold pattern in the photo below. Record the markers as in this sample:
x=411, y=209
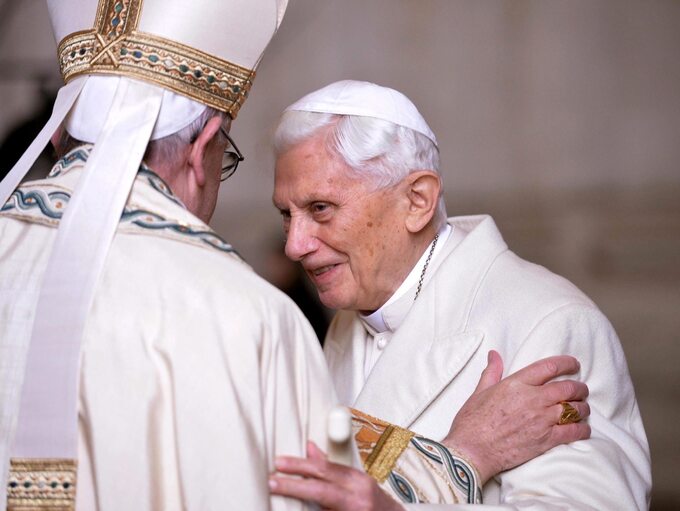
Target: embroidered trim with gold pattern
x=42, y=484
x=45, y=202
x=115, y=17
x=380, y=444
x=388, y=449
x=114, y=46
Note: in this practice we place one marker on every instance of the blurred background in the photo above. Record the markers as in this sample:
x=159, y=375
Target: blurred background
x=560, y=118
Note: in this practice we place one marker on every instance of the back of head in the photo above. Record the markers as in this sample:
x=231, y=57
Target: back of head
x=192, y=56
x=135, y=71
x=204, y=50
x=185, y=49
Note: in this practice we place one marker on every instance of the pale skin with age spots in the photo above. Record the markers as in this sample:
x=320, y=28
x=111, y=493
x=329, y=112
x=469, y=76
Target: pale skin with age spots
x=346, y=233
x=343, y=231
x=480, y=432
x=195, y=176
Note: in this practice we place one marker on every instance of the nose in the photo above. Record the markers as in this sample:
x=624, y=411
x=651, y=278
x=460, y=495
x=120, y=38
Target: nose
x=300, y=239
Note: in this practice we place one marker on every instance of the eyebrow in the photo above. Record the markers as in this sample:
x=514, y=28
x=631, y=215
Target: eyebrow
x=281, y=209
x=303, y=202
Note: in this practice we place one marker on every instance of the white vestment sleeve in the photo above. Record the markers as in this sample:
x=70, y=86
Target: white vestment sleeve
x=608, y=471
x=611, y=469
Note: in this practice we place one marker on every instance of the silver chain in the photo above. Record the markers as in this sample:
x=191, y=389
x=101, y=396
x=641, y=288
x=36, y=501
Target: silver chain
x=427, y=262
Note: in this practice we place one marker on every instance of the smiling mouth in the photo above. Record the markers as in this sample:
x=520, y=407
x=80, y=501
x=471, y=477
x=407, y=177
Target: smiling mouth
x=323, y=269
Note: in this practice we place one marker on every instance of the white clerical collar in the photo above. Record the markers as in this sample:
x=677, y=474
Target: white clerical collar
x=376, y=321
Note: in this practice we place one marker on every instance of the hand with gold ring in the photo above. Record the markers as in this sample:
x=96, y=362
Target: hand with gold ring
x=509, y=421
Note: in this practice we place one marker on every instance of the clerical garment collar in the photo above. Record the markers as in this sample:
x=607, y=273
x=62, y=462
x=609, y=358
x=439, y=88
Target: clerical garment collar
x=393, y=312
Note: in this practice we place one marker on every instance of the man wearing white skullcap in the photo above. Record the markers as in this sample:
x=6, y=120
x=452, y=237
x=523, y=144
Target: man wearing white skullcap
x=422, y=300
x=142, y=362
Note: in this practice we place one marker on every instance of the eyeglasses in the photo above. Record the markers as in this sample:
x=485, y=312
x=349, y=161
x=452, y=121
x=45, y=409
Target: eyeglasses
x=230, y=158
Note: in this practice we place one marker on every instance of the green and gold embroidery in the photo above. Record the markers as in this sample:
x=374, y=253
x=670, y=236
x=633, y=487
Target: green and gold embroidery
x=115, y=46
x=380, y=444
x=37, y=484
x=43, y=202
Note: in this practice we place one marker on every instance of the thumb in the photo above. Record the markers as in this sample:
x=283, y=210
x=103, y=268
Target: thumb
x=492, y=373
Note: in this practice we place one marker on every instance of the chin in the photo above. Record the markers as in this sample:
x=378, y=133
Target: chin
x=333, y=301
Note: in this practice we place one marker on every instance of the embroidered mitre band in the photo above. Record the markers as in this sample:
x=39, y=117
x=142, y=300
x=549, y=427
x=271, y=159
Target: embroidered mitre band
x=135, y=70
x=116, y=46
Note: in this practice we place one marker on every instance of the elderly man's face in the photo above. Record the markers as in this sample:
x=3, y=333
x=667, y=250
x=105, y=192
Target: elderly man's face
x=347, y=236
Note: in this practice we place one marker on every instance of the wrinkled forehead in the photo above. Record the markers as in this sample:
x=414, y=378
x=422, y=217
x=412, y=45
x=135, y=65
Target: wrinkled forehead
x=315, y=155
x=313, y=152
x=309, y=171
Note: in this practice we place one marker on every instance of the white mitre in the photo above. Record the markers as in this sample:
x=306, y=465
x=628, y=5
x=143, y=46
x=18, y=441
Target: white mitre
x=134, y=70
x=351, y=97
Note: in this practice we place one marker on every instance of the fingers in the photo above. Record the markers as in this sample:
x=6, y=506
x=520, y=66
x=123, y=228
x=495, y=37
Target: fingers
x=547, y=369
x=568, y=433
x=492, y=373
x=563, y=390
x=298, y=466
x=331, y=485
x=314, y=467
x=314, y=453
x=323, y=481
x=312, y=490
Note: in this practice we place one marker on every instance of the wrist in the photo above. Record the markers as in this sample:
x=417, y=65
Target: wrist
x=472, y=458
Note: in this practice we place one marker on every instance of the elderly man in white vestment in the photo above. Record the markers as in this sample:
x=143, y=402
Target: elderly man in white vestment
x=192, y=372
x=142, y=362
x=422, y=300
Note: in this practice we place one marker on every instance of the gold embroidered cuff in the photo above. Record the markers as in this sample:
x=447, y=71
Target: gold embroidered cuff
x=380, y=444
x=391, y=445
x=41, y=484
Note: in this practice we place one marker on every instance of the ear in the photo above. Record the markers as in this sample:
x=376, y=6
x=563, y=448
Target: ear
x=423, y=197
x=199, y=147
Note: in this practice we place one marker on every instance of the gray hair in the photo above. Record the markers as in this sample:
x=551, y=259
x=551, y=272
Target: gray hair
x=170, y=148
x=163, y=149
x=380, y=150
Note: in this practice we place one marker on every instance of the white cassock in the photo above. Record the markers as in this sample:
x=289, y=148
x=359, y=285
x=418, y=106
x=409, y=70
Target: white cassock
x=195, y=372
x=421, y=363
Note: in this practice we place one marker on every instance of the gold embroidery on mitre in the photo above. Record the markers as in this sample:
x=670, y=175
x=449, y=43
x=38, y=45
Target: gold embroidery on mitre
x=116, y=17
x=42, y=484
x=114, y=46
x=379, y=443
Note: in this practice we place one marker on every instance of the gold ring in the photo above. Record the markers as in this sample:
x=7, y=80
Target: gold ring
x=569, y=414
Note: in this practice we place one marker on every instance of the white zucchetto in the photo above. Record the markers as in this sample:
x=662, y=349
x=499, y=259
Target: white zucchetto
x=351, y=97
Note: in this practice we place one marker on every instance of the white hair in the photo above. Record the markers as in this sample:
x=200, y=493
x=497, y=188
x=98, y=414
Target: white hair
x=382, y=151
x=166, y=149
x=169, y=148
